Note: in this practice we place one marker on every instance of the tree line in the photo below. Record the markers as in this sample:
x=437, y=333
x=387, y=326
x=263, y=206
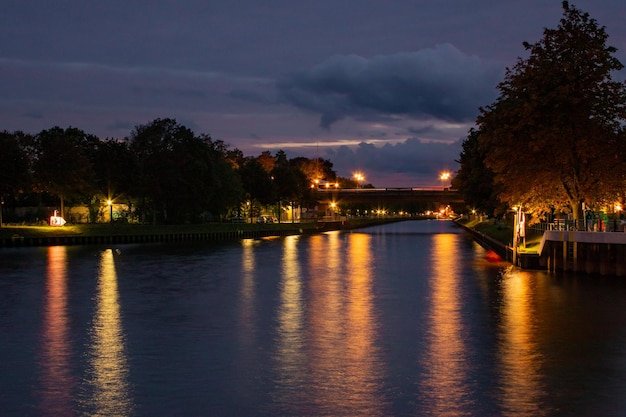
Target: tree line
x=163, y=172
x=554, y=141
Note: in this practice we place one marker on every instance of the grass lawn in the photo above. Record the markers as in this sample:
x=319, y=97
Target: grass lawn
x=103, y=229
x=503, y=233
x=118, y=229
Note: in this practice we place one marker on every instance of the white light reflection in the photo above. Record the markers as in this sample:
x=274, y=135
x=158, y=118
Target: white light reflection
x=56, y=378
x=445, y=382
x=107, y=357
x=520, y=359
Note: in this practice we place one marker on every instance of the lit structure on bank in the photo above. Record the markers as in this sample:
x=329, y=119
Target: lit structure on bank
x=56, y=220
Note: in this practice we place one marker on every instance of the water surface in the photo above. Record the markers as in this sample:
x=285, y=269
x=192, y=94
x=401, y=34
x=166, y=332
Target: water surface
x=405, y=319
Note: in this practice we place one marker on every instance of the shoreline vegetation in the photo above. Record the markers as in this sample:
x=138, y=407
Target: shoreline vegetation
x=496, y=235
x=22, y=235
x=502, y=233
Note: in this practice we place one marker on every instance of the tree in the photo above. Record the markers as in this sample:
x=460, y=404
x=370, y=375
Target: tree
x=291, y=183
x=225, y=184
x=475, y=180
x=267, y=161
x=314, y=169
x=257, y=182
x=162, y=166
x=181, y=176
x=63, y=163
x=15, y=173
x=553, y=138
x=114, y=168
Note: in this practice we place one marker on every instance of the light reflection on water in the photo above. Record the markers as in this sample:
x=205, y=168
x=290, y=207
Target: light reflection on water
x=445, y=382
x=519, y=354
x=326, y=314
x=344, y=360
x=247, y=293
x=364, y=373
x=57, y=381
x=290, y=356
x=106, y=381
x=399, y=320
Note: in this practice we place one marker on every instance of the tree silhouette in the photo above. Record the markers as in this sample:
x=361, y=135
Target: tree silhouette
x=62, y=163
x=554, y=136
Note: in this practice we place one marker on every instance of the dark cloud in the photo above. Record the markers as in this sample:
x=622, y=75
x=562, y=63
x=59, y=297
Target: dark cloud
x=421, y=130
x=93, y=85
x=33, y=114
x=251, y=95
x=441, y=82
x=256, y=74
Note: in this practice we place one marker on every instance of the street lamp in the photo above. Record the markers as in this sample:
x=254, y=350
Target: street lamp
x=110, y=203
x=333, y=207
x=359, y=178
x=444, y=177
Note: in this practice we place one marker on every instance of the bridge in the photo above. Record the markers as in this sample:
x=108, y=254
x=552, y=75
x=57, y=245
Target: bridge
x=389, y=196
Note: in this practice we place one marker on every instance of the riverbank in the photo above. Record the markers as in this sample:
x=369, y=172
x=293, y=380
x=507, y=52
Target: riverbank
x=14, y=235
x=600, y=253
x=498, y=237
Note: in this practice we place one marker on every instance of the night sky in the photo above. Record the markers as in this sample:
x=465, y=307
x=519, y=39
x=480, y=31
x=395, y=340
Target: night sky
x=389, y=88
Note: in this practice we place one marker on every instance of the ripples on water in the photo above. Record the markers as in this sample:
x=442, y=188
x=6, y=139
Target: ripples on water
x=406, y=319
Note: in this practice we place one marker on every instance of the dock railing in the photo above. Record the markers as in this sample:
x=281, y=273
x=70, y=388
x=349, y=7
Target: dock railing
x=582, y=225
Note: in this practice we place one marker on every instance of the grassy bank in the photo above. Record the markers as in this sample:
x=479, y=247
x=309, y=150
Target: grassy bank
x=105, y=229
x=503, y=233
x=136, y=229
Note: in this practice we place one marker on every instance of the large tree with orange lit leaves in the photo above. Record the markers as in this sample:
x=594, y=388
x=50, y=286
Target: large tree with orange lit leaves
x=554, y=138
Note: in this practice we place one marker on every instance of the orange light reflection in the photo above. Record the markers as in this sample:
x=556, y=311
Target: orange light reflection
x=57, y=381
x=107, y=354
x=290, y=358
x=521, y=360
x=445, y=382
x=247, y=292
x=345, y=367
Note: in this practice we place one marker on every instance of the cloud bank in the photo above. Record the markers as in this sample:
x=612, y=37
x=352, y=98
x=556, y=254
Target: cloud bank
x=411, y=163
x=440, y=82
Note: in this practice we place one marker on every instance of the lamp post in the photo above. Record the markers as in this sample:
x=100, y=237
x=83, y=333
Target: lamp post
x=519, y=231
x=444, y=177
x=359, y=178
x=515, y=234
x=110, y=203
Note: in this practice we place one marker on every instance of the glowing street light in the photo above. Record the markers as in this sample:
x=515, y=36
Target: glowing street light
x=444, y=177
x=359, y=178
x=110, y=203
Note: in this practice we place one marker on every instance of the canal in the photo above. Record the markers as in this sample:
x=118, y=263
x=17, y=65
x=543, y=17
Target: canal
x=403, y=319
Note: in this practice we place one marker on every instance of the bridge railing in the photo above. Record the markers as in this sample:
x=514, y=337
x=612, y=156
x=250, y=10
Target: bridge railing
x=369, y=190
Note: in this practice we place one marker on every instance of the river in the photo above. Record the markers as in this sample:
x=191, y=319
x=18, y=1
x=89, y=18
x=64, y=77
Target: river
x=403, y=319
